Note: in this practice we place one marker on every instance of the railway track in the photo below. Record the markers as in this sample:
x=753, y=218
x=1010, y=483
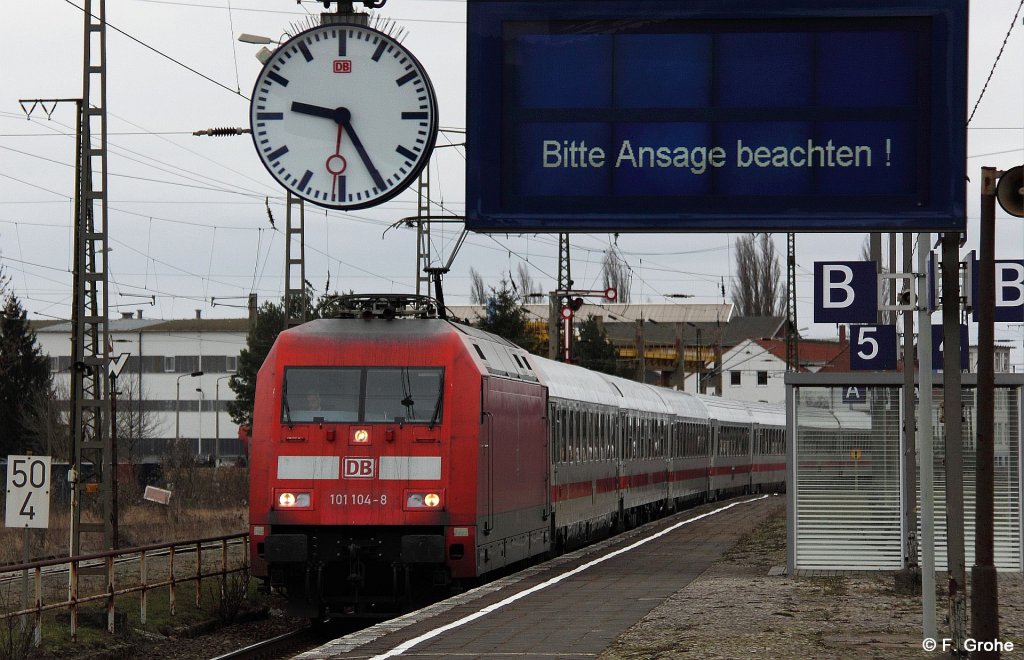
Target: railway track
x=284, y=645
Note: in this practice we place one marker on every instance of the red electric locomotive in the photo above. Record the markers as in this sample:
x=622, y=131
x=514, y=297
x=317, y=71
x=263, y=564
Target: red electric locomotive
x=393, y=451
x=392, y=455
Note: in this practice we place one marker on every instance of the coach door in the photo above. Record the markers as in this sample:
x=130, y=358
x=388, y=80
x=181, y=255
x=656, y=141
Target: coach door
x=485, y=471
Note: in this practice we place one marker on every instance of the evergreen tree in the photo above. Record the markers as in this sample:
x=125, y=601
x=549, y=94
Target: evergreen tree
x=261, y=337
x=24, y=379
x=270, y=321
x=506, y=317
x=594, y=350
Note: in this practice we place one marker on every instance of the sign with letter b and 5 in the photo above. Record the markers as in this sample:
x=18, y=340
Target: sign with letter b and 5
x=845, y=292
x=872, y=347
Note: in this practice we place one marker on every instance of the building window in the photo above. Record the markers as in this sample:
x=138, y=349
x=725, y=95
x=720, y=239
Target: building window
x=231, y=364
x=169, y=363
x=762, y=378
x=735, y=378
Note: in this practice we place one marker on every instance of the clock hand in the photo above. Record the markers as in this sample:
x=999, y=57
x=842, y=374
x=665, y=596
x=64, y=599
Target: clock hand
x=345, y=119
x=315, y=110
x=336, y=163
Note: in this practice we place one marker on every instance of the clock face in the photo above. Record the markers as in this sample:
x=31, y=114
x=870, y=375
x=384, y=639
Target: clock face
x=343, y=116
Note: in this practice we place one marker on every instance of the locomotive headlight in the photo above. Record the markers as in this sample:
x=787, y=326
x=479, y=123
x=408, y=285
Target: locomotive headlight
x=293, y=500
x=360, y=437
x=420, y=500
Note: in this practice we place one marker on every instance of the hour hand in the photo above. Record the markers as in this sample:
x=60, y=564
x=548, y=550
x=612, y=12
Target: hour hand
x=315, y=110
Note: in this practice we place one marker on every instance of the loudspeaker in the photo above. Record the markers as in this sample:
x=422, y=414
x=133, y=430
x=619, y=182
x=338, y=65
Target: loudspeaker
x=1010, y=191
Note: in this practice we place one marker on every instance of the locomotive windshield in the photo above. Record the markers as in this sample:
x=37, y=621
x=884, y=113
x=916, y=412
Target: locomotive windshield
x=362, y=394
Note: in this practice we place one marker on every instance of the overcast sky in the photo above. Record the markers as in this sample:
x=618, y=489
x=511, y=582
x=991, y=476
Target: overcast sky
x=187, y=214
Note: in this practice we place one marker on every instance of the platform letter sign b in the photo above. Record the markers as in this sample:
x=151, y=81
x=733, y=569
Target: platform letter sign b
x=845, y=292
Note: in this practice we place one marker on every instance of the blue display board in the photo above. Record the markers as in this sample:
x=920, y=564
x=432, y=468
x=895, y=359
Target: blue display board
x=756, y=115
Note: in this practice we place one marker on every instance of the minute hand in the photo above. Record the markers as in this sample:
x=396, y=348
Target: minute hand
x=345, y=121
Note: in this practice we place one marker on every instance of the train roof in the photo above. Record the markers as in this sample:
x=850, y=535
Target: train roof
x=726, y=410
x=823, y=418
x=566, y=381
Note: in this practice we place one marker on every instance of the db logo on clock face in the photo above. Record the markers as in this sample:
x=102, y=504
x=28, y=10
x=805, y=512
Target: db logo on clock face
x=343, y=66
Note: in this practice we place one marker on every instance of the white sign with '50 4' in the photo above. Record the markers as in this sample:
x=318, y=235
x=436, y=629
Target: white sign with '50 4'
x=28, y=491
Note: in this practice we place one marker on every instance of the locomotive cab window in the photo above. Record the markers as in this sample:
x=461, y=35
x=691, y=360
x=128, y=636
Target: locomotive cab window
x=355, y=394
x=411, y=394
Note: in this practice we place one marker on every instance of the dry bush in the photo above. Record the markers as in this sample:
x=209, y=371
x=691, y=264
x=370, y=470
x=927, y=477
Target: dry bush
x=233, y=594
x=16, y=633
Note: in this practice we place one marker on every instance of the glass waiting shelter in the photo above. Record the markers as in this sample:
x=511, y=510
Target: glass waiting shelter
x=847, y=480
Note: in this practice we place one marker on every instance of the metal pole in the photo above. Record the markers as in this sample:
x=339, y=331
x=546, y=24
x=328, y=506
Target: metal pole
x=909, y=422
x=924, y=429
x=113, y=460
x=875, y=254
x=984, y=594
x=177, y=409
x=216, y=418
x=951, y=397
x=641, y=357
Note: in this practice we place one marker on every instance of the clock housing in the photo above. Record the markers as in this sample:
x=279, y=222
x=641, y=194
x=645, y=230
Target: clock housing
x=343, y=116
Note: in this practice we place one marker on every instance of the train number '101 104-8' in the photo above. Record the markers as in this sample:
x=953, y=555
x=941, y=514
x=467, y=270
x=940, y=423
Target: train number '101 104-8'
x=344, y=499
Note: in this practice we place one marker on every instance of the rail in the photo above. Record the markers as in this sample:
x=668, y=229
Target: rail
x=106, y=564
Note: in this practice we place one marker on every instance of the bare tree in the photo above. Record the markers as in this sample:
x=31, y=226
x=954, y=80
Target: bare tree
x=477, y=288
x=528, y=288
x=757, y=287
x=615, y=274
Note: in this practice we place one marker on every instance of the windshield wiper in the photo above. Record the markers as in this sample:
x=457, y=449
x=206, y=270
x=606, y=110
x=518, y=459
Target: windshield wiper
x=407, y=401
x=284, y=403
x=437, y=408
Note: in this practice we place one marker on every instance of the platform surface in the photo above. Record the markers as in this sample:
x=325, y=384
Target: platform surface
x=574, y=606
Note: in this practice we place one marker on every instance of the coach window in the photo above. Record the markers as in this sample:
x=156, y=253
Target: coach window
x=563, y=433
x=576, y=433
x=591, y=434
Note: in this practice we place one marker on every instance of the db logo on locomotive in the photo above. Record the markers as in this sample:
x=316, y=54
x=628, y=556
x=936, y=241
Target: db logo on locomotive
x=358, y=468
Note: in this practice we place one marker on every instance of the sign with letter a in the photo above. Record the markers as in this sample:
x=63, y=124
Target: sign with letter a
x=845, y=292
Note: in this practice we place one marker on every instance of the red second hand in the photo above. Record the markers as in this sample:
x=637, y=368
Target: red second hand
x=338, y=161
